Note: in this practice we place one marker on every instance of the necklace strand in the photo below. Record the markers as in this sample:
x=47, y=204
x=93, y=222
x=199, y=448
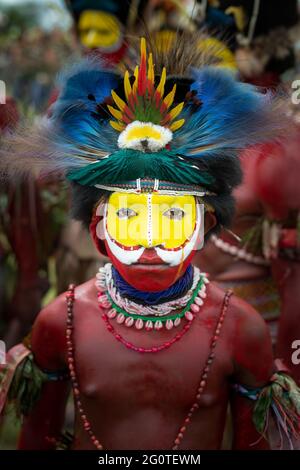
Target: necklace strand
x=153, y=349
x=109, y=298
x=105, y=282
x=239, y=253
x=70, y=297
x=188, y=312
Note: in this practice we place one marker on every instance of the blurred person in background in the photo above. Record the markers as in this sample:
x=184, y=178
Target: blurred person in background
x=257, y=40
x=32, y=213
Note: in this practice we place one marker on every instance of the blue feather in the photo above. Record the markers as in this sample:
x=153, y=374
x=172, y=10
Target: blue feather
x=82, y=90
x=232, y=115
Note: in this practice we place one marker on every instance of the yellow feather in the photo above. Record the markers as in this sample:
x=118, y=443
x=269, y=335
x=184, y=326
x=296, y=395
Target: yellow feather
x=119, y=102
x=170, y=97
x=161, y=86
x=117, y=126
x=143, y=48
x=175, y=111
x=150, y=69
x=176, y=125
x=136, y=74
x=127, y=86
x=115, y=112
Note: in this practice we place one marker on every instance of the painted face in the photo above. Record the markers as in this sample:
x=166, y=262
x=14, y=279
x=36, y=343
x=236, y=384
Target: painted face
x=98, y=29
x=151, y=238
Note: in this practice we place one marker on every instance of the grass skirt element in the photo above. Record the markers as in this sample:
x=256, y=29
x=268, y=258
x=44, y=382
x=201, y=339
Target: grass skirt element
x=281, y=400
x=14, y=359
x=21, y=380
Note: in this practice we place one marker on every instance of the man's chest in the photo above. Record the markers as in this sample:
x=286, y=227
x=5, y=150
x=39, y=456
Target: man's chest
x=111, y=372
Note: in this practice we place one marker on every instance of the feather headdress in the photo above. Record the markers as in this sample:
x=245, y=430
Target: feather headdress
x=148, y=130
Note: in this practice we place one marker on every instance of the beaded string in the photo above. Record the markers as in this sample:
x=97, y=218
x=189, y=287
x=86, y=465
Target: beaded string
x=71, y=364
x=73, y=376
x=204, y=376
x=169, y=317
x=178, y=291
x=126, y=312
x=189, y=313
x=239, y=253
x=153, y=349
x=105, y=282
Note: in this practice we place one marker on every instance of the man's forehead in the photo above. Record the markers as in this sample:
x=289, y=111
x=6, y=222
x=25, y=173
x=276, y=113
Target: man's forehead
x=143, y=198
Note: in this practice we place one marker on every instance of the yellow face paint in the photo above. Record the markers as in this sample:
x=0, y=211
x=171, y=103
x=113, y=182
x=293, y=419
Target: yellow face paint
x=150, y=220
x=99, y=29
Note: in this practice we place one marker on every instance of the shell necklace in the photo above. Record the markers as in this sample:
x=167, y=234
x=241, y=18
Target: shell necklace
x=152, y=317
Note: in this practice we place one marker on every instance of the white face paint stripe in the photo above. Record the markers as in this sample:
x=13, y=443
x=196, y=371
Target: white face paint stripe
x=125, y=256
x=149, y=222
x=174, y=258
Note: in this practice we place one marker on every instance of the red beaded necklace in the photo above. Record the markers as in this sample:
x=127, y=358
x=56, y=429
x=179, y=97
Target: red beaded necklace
x=70, y=297
x=153, y=349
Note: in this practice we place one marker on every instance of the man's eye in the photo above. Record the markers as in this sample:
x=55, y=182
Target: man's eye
x=174, y=213
x=126, y=213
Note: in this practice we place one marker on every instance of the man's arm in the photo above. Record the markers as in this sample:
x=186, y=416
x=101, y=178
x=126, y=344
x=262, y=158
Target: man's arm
x=286, y=274
x=253, y=365
x=44, y=424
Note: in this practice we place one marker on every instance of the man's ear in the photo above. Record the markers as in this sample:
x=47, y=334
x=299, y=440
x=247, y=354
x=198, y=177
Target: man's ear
x=210, y=221
x=96, y=231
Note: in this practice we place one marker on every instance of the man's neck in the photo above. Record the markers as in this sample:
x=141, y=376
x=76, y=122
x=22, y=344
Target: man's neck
x=176, y=290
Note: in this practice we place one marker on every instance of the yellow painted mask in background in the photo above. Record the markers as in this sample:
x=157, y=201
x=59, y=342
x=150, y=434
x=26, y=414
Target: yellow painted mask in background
x=151, y=219
x=99, y=29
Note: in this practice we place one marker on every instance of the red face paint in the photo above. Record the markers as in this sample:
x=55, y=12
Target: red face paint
x=150, y=274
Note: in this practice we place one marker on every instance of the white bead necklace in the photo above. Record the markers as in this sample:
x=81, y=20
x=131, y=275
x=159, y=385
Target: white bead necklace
x=105, y=280
x=239, y=253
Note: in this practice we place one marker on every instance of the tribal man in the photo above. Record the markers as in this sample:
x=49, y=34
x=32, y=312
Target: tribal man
x=153, y=351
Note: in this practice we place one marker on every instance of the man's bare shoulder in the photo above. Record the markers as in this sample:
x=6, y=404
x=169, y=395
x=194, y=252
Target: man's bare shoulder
x=55, y=313
x=49, y=330
x=240, y=314
x=252, y=347
x=249, y=325
x=247, y=336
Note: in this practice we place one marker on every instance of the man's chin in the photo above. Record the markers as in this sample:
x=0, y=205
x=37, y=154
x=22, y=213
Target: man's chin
x=149, y=273
x=150, y=277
